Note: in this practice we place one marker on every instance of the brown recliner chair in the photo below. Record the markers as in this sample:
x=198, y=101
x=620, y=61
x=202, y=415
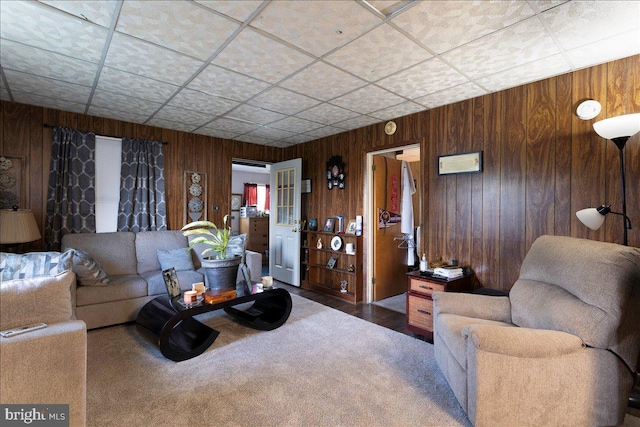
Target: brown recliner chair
x=561, y=349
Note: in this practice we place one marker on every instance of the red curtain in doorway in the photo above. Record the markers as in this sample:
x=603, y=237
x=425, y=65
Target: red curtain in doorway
x=250, y=194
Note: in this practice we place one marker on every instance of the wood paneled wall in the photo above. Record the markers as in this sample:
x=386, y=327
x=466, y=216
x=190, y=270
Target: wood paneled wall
x=541, y=164
x=23, y=134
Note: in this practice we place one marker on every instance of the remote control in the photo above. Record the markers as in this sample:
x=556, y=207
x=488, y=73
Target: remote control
x=22, y=330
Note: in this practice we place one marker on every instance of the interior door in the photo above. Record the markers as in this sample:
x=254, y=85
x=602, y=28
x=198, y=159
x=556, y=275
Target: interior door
x=284, y=222
x=389, y=266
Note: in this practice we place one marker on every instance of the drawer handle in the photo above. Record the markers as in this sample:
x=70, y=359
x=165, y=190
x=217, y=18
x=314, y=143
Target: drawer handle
x=424, y=312
x=426, y=287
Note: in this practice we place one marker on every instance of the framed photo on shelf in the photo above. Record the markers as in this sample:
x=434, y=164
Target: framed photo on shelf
x=329, y=224
x=332, y=262
x=351, y=228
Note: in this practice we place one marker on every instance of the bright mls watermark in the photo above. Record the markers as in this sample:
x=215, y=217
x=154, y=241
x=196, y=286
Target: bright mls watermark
x=34, y=415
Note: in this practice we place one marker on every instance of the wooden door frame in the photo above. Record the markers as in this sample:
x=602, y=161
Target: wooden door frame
x=370, y=219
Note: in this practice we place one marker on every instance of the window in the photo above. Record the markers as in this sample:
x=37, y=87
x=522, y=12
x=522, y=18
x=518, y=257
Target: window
x=108, y=164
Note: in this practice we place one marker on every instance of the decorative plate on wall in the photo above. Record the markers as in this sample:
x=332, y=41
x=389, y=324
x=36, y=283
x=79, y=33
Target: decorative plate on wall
x=195, y=197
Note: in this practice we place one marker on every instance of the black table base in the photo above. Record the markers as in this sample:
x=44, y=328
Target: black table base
x=164, y=323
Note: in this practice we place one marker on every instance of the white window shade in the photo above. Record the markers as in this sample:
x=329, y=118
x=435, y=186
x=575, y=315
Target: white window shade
x=108, y=165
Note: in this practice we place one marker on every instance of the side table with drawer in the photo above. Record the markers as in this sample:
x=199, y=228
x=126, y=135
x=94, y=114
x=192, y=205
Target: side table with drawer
x=419, y=301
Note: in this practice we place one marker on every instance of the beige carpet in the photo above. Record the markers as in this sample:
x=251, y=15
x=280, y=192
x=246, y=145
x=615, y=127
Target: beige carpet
x=322, y=368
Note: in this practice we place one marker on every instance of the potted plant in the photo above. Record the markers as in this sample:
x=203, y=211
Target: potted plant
x=221, y=270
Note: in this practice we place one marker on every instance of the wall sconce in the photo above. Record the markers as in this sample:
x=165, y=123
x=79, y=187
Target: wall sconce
x=618, y=129
x=17, y=226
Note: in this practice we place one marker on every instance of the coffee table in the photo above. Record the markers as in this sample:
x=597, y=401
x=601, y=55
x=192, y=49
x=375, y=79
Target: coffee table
x=169, y=324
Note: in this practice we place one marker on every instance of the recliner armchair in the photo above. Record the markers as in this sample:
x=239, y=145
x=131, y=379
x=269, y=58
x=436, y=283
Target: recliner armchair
x=561, y=349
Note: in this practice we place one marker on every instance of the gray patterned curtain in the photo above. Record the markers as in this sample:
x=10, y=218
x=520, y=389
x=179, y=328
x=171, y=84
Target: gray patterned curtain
x=71, y=193
x=142, y=200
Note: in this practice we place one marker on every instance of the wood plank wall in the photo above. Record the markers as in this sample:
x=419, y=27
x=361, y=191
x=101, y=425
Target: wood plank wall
x=23, y=134
x=541, y=164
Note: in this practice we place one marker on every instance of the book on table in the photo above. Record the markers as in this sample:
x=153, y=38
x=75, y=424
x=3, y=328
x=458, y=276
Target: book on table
x=449, y=272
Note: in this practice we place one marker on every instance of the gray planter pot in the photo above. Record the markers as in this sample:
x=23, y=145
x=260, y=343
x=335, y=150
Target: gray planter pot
x=221, y=273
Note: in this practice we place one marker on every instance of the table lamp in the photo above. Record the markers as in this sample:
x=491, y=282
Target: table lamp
x=17, y=226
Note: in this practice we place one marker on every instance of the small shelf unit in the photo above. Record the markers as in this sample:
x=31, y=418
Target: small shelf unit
x=318, y=275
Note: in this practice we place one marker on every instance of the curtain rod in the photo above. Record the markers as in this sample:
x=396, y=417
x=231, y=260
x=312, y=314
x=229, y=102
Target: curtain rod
x=49, y=126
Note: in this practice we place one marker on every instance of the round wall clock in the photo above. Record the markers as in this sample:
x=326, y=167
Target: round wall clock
x=390, y=128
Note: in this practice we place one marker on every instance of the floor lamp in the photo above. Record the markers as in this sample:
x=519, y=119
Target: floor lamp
x=618, y=129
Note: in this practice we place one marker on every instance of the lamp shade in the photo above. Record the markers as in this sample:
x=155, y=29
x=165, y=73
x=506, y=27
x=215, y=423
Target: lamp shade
x=620, y=126
x=18, y=226
x=591, y=218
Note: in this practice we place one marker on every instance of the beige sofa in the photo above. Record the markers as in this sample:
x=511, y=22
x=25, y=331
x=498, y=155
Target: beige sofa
x=561, y=349
x=134, y=272
x=45, y=366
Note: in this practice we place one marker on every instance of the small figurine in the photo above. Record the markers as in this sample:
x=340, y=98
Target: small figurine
x=319, y=244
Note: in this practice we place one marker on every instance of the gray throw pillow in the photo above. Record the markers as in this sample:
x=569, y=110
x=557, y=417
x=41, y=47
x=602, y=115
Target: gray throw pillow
x=179, y=259
x=237, y=245
x=89, y=271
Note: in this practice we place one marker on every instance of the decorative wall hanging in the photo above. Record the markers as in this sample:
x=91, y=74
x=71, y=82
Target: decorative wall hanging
x=236, y=202
x=390, y=128
x=335, y=173
x=12, y=182
x=460, y=163
x=195, y=196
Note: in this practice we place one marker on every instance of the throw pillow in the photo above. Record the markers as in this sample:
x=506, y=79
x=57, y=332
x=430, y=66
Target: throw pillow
x=179, y=259
x=32, y=264
x=88, y=270
x=236, y=245
x=39, y=299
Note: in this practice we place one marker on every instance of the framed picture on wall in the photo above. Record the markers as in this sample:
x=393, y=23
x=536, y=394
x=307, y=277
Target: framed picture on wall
x=329, y=224
x=236, y=202
x=460, y=163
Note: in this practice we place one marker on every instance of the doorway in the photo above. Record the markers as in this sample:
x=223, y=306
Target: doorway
x=391, y=253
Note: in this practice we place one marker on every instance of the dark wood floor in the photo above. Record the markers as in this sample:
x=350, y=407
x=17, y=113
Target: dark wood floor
x=369, y=312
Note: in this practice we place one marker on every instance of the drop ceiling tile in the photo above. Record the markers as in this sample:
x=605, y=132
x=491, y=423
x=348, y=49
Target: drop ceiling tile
x=145, y=59
x=169, y=124
x=235, y=127
x=542, y=5
x=327, y=114
x=269, y=133
x=428, y=77
x=260, y=57
x=97, y=12
x=533, y=71
x=240, y=10
x=202, y=102
x=399, y=110
x=228, y=84
x=180, y=115
x=294, y=124
x=254, y=139
x=283, y=101
x=251, y=114
x=325, y=131
x=590, y=21
x=15, y=56
x=44, y=86
x=126, y=83
x=38, y=25
x=451, y=95
x=367, y=99
x=295, y=139
x=182, y=26
x=379, y=53
x=124, y=103
x=47, y=102
x=209, y=131
x=616, y=47
x=125, y=116
x=323, y=81
x=389, y=7
x=316, y=27
x=357, y=122
x=444, y=25
x=519, y=44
